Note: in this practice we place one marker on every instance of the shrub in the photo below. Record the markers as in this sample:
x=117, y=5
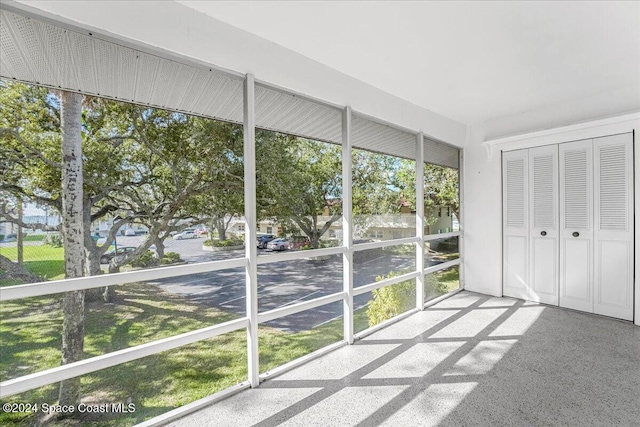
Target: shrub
x=391, y=301
x=223, y=243
x=54, y=240
x=147, y=259
x=170, y=258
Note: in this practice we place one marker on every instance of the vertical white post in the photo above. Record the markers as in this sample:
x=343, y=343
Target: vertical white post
x=347, y=232
x=420, y=221
x=250, y=236
x=461, y=218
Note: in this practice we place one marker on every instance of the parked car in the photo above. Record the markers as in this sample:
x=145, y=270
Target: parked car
x=298, y=242
x=129, y=232
x=278, y=245
x=202, y=231
x=110, y=254
x=264, y=239
x=186, y=234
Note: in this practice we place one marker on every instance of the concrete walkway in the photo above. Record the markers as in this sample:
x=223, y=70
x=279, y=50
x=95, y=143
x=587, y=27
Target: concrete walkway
x=470, y=360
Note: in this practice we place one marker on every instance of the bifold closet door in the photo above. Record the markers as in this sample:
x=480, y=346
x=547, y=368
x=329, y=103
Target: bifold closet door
x=613, y=226
x=530, y=229
x=515, y=216
x=576, y=225
x=543, y=224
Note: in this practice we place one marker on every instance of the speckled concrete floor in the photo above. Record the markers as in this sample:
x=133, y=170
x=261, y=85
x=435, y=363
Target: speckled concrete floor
x=470, y=360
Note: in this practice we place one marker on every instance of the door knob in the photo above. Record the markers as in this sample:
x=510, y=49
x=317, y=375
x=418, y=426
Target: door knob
x=575, y=234
x=543, y=233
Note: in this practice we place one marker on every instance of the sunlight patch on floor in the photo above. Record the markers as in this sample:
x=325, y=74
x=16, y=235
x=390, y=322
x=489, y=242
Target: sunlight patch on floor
x=417, y=361
x=482, y=358
x=432, y=406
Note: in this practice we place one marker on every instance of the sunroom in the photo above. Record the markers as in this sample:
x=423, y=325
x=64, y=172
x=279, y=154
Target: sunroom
x=349, y=213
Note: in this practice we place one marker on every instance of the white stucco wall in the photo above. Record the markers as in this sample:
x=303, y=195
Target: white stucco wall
x=483, y=195
x=482, y=217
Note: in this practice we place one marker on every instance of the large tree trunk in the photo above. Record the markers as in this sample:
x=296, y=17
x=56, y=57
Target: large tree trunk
x=159, y=248
x=92, y=257
x=74, y=248
x=20, y=234
x=221, y=227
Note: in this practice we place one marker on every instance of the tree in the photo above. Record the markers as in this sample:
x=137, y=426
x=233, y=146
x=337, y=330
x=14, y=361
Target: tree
x=102, y=159
x=381, y=183
x=142, y=165
x=299, y=181
x=441, y=187
x=73, y=236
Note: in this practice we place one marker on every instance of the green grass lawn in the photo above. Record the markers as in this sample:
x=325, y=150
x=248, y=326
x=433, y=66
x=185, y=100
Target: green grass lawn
x=30, y=335
x=34, y=237
x=43, y=260
x=449, y=280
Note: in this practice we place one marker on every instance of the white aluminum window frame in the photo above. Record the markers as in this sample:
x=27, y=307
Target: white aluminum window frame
x=250, y=262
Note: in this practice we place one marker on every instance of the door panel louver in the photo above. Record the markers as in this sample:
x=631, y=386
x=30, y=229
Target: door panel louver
x=516, y=194
x=613, y=188
x=576, y=197
x=41, y=53
x=287, y=113
x=544, y=192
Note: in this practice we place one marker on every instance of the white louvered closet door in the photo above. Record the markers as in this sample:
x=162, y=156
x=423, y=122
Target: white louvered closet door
x=576, y=225
x=515, y=215
x=614, y=226
x=543, y=224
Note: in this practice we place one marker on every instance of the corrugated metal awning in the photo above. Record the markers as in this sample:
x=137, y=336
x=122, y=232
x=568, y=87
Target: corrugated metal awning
x=48, y=55
x=38, y=52
x=292, y=114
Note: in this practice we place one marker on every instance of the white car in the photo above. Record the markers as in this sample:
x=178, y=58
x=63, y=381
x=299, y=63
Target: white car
x=278, y=245
x=186, y=234
x=129, y=232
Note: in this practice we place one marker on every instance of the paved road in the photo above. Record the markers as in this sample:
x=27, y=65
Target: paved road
x=284, y=283
x=279, y=283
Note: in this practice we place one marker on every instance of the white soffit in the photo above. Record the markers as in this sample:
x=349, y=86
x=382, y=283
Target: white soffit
x=441, y=154
x=41, y=53
x=288, y=113
x=45, y=54
x=373, y=136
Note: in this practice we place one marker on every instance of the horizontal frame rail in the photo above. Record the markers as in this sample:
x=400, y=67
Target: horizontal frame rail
x=442, y=235
x=442, y=266
x=293, y=255
x=384, y=243
x=301, y=306
x=82, y=367
x=59, y=286
x=386, y=282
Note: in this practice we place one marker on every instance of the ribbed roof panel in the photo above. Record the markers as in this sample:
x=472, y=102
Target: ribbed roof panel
x=373, y=136
x=41, y=53
x=296, y=115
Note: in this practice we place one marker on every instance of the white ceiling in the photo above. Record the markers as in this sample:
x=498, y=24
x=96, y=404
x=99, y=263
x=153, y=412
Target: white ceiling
x=470, y=61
